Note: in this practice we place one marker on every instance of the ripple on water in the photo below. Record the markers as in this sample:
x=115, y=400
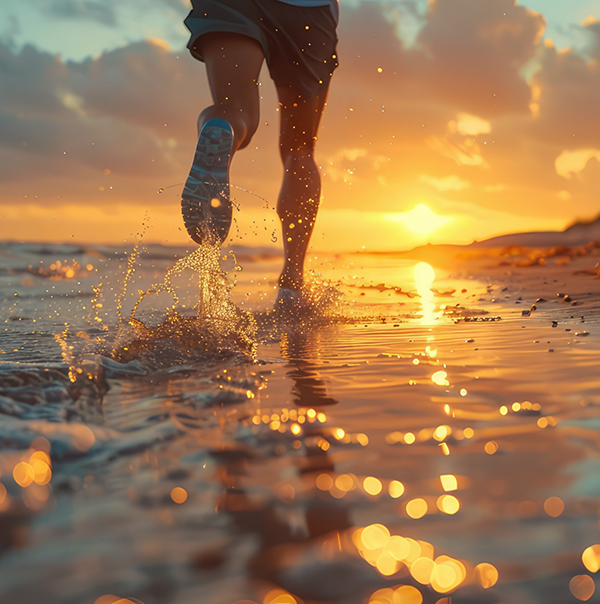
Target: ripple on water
x=358, y=457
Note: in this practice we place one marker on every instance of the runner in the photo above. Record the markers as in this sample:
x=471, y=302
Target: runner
x=298, y=40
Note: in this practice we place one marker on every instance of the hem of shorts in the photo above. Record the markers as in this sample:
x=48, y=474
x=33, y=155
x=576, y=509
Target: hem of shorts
x=218, y=27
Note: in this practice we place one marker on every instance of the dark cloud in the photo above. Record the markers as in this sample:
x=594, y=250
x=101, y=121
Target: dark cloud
x=592, y=28
x=77, y=9
x=133, y=109
x=142, y=84
x=469, y=55
x=476, y=51
x=568, y=87
x=29, y=81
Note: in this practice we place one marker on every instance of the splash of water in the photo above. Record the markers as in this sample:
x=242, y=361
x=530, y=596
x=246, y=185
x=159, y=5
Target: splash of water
x=217, y=328
x=180, y=184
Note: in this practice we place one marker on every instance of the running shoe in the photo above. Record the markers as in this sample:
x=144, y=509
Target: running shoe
x=205, y=203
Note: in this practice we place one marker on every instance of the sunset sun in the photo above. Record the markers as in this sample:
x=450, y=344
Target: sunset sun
x=421, y=219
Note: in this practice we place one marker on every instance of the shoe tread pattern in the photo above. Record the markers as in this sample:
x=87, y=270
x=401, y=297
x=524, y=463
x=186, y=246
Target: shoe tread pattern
x=208, y=180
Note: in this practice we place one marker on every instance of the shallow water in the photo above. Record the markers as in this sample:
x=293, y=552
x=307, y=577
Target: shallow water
x=384, y=449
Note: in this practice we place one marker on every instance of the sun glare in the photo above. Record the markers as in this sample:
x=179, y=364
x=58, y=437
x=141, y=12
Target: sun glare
x=421, y=219
x=424, y=277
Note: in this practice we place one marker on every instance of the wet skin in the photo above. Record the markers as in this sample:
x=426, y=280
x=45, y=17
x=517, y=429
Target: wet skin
x=233, y=64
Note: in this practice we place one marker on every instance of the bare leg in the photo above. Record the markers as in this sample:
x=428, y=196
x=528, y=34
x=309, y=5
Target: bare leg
x=233, y=65
x=301, y=189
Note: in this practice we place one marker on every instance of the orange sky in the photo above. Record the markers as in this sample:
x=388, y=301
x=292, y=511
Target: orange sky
x=480, y=118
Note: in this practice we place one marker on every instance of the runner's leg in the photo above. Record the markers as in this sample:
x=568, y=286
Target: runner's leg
x=301, y=189
x=233, y=64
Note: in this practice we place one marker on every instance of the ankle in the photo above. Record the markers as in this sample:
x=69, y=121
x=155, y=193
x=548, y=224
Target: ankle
x=287, y=282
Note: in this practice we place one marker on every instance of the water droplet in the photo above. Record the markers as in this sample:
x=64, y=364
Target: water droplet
x=274, y=237
x=161, y=190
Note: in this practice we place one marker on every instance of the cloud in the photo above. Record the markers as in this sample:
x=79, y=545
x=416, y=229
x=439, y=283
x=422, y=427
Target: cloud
x=79, y=10
x=446, y=183
x=108, y=12
x=476, y=51
x=129, y=110
x=351, y=164
x=465, y=153
x=591, y=26
x=573, y=162
x=437, y=122
x=471, y=125
x=569, y=95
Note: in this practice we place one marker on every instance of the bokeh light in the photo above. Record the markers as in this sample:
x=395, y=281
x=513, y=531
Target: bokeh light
x=386, y=564
x=448, y=504
x=396, y=489
x=398, y=547
x=346, y=482
x=442, y=432
x=491, y=447
x=375, y=536
x=449, y=482
x=421, y=570
x=554, y=506
x=23, y=474
x=486, y=575
x=36, y=496
x=83, y=437
x=591, y=558
x=279, y=596
x=324, y=482
x=41, y=470
x=382, y=596
x=440, y=378
x=407, y=594
x=372, y=485
x=107, y=599
x=448, y=574
x=582, y=587
x=179, y=495
x=416, y=508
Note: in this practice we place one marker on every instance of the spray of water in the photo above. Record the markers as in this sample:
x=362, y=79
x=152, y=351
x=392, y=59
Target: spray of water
x=168, y=334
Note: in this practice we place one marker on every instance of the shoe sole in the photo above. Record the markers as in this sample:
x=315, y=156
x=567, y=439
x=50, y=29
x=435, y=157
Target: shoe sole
x=205, y=202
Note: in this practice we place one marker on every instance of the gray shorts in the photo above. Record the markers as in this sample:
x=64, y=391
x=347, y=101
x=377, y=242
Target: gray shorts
x=299, y=42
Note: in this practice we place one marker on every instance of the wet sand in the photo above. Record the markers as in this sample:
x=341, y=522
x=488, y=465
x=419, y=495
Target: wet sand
x=414, y=440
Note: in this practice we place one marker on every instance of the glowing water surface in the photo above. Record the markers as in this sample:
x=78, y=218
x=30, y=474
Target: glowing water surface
x=396, y=446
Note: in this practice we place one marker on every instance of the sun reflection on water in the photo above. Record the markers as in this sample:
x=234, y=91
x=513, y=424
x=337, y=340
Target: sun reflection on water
x=424, y=277
x=397, y=555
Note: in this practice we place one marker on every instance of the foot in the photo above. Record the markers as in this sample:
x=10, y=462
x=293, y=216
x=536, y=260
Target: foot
x=291, y=303
x=205, y=202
